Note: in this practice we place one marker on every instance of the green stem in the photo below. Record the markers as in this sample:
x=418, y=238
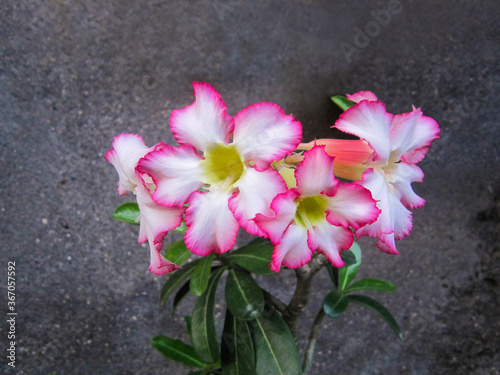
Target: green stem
x=313, y=337
x=276, y=302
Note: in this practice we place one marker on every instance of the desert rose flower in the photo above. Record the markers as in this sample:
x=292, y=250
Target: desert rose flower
x=316, y=215
x=398, y=142
x=229, y=179
x=155, y=220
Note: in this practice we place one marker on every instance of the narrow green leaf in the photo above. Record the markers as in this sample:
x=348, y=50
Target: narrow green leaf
x=127, y=212
x=335, y=303
x=342, y=102
x=177, y=351
x=188, y=320
x=201, y=273
x=276, y=352
x=177, y=252
x=199, y=372
x=180, y=295
x=371, y=284
x=237, y=352
x=379, y=309
x=254, y=257
x=189, y=323
x=333, y=272
x=350, y=270
x=176, y=279
x=204, y=334
x=244, y=296
x=349, y=258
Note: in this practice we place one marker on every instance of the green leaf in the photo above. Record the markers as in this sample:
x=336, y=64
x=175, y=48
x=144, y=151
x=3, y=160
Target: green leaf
x=180, y=295
x=127, y=212
x=254, y=257
x=379, y=309
x=276, y=352
x=342, y=102
x=181, y=228
x=350, y=270
x=176, y=279
x=177, y=252
x=333, y=272
x=335, y=303
x=177, y=351
x=199, y=372
x=203, y=321
x=188, y=319
x=201, y=273
x=244, y=296
x=371, y=284
x=237, y=352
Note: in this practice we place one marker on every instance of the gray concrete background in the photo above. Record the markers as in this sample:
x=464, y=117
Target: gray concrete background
x=74, y=74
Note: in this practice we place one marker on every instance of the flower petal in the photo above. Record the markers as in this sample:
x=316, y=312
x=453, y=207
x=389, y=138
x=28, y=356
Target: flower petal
x=362, y=95
x=403, y=175
x=256, y=191
x=411, y=135
x=264, y=133
x=158, y=219
x=175, y=171
x=331, y=240
x=155, y=222
x=293, y=250
x=352, y=205
x=284, y=207
x=394, y=218
x=126, y=152
x=387, y=244
x=369, y=121
x=203, y=123
x=314, y=174
x=211, y=225
x=159, y=265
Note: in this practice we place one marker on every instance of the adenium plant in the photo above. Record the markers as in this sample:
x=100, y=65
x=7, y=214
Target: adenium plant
x=252, y=171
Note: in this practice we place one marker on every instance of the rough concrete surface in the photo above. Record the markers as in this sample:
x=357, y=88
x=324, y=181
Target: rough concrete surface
x=74, y=74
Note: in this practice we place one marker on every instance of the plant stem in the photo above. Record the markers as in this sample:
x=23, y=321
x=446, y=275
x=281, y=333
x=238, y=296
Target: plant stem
x=305, y=275
x=313, y=337
x=276, y=302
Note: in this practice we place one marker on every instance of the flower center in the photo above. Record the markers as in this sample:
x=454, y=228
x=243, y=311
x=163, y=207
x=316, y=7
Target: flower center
x=222, y=165
x=310, y=211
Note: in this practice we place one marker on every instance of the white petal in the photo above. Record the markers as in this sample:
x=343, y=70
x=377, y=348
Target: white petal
x=293, y=250
x=369, y=121
x=126, y=152
x=394, y=218
x=362, y=95
x=256, y=191
x=314, y=174
x=203, y=123
x=352, y=205
x=157, y=218
x=264, y=133
x=411, y=135
x=175, y=171
x=403, y=175
x=331, y=240
x=211, y=225
x=284, y=209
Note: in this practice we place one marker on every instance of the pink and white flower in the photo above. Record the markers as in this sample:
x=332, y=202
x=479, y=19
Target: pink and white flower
x=316, y=215
x=398, y=143
x=230, y=182
x=155, y=220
